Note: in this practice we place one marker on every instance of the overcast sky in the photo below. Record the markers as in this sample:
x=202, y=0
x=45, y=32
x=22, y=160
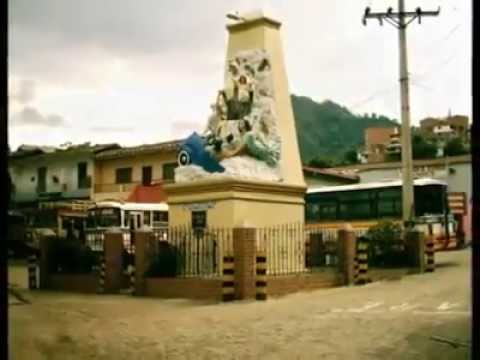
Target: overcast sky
x=136, y=72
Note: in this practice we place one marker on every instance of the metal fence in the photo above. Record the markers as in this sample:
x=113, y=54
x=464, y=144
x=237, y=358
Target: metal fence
x=293, y=248
x=188, y=252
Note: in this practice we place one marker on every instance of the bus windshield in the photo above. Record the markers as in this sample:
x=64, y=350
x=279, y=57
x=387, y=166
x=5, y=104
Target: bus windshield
x=103, y=217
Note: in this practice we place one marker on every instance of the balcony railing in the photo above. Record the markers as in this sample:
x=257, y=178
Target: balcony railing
x=127, y=187
x=115, y=188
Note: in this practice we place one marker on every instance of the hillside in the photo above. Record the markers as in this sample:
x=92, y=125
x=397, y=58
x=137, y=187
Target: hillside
x=329, y=130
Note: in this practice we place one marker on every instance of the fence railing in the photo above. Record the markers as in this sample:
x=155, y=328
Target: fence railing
x=293, y=248
x=189, y=252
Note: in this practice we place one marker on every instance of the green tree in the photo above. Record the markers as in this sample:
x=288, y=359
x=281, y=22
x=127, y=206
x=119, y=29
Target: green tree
x=350, y=157
x=422, y=149
x=455, y=146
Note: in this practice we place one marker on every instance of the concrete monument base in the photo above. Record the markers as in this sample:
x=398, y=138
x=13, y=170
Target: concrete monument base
x=230, y=203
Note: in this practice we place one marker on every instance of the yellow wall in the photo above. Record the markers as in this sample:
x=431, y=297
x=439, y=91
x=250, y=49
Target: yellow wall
x=105, y=169
x=261, y=34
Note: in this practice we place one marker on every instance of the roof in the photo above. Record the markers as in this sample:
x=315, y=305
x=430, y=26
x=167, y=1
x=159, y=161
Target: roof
x=395, y=165
x=173, y=145
x=340, y=175
x=32, y=150
x=148, y=194
x=374, y=185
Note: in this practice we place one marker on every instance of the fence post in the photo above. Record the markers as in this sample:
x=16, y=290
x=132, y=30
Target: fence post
x=113, y=248
x=32, y=271
x=101, y=274
x=430, y=254
x=415, y=243
x=45, y=246
x=346, y=255
x=144, y=246
x=362, y=262
x=228, y=278
x=244, y=246
x=261, y=277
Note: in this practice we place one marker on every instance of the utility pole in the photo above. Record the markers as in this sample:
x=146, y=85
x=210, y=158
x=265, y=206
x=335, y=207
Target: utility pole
x=401, y=20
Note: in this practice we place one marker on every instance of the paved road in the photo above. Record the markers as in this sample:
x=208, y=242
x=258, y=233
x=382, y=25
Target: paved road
x=384, y=320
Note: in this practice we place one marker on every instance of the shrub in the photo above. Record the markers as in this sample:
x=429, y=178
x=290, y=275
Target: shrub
x=386, y=247
x=167, y=262
x=71, y=257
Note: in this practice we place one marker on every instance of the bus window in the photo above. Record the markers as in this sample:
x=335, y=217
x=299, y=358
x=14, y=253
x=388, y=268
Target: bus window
x=160, y=218
x=147, y=218
x=389, y=203
x=126, y=219
x=356, y=205
x=106, y=217
x=429, y=200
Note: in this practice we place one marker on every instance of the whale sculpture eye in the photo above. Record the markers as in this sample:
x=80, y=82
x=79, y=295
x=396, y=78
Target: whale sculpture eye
x=184, y=158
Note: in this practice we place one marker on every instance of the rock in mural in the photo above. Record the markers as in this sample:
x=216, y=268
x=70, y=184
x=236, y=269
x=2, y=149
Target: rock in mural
x=241, y=138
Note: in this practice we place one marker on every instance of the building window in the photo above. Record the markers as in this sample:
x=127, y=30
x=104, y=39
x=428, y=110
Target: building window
x=82, y=177
x=146, y=175
x=168, y=171
x=123, y=176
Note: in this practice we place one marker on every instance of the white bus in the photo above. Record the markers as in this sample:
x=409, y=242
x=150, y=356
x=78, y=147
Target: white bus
x=124, y=217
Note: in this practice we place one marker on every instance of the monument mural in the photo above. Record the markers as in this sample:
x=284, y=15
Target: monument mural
x=241, y=139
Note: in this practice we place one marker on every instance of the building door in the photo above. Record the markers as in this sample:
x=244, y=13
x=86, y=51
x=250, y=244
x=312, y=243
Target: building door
x=146, y=175
x=42, y=179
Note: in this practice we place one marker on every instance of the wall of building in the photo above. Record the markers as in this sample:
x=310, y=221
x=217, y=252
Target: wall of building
x=106, y=169
x=65, y=168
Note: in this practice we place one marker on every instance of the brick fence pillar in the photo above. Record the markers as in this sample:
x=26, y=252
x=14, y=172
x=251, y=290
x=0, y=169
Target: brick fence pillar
x=45, y=247
x=244, y=246
x=346, y=255
x=144, y=252
x=113, y=248
x=415, y=246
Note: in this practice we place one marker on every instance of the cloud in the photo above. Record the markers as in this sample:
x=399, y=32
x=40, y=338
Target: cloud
x=180, y=129
x=31, y=116
x=24, y=92
x=118, y=129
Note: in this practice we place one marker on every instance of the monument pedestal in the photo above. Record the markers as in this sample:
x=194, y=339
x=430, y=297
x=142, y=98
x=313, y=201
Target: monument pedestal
x=230, y=203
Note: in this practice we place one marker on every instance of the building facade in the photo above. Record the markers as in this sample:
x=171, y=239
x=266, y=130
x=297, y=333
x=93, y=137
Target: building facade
x=379, y=142
x=443, y=129
x=42, y=174
x=120, y=172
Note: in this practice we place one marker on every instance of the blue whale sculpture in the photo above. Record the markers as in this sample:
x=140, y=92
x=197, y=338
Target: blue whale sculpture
x=192, y=151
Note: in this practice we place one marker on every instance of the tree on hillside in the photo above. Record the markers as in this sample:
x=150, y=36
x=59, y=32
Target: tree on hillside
x=455, y=146
x=423, y=149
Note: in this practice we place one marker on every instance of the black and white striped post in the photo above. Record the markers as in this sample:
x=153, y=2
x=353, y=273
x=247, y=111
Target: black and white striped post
x=362, y=261
x=430, y=255
x=32, y=272
x=228, y=283
x=132, y=279
x=355, y=269
x=101, y=277
x=261, y=277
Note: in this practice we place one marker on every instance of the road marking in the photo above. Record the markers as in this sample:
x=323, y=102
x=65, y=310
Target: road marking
x=467, y=313
x=366, y=307
x=447, y=306
x=403, y=307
